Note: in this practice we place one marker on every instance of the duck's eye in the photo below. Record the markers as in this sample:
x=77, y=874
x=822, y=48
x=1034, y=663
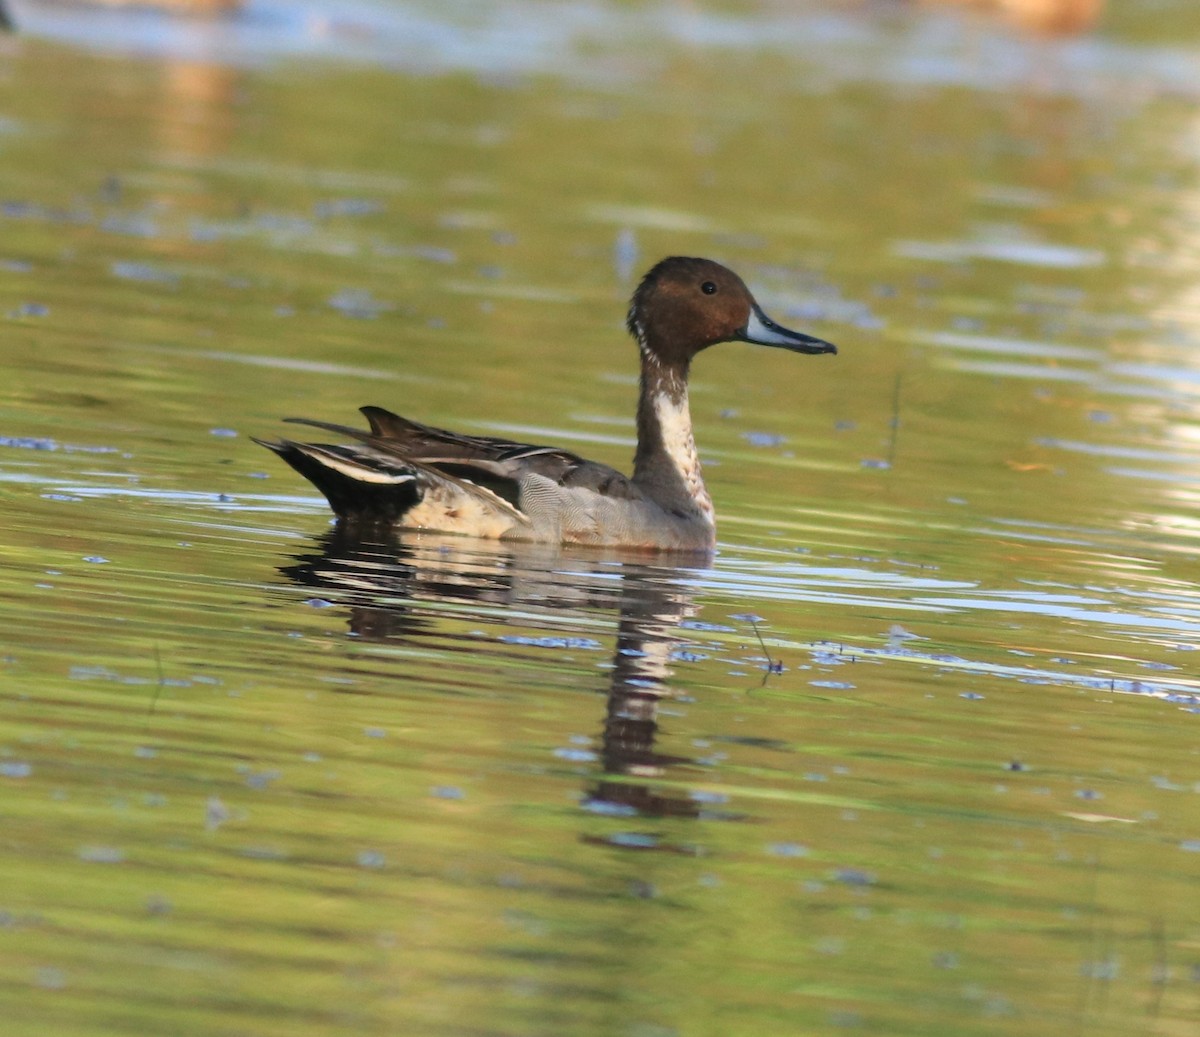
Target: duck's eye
x=708, y=288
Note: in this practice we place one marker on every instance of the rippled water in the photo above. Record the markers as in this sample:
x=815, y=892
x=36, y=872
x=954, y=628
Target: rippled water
x=917, y=753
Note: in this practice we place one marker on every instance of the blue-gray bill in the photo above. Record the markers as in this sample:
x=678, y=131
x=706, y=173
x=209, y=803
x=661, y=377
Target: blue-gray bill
x=763, y=331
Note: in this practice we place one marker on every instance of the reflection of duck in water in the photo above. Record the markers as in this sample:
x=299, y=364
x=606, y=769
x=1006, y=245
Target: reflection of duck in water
x=394, y=592
x=414, y=476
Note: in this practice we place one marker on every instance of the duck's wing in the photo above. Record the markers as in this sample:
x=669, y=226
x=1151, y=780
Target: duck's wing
x=498, y=465
x=367, y=486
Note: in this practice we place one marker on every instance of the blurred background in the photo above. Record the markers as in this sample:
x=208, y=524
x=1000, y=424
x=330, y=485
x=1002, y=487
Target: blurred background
x=916, y=753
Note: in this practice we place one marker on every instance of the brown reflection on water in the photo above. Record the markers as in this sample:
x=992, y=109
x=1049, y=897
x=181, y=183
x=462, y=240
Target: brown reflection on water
x=1051, y=17
x=390, y=587
x=196, y=114
x=650, y=613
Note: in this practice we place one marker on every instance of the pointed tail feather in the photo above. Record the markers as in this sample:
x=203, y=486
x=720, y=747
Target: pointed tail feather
x=359, y=487
x=391, y=426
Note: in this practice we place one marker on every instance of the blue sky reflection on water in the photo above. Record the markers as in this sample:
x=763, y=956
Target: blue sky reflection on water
x=837, y=42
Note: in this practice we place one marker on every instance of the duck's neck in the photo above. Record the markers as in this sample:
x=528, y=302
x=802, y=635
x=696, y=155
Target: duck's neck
x=666, y=466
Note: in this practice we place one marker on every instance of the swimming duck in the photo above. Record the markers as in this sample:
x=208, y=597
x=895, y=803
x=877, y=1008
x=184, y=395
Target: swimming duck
x=414, y=476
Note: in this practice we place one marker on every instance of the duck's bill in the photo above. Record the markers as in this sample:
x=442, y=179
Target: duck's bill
x=763, y=331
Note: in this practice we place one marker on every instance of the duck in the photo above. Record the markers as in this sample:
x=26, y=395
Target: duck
x=402, y=474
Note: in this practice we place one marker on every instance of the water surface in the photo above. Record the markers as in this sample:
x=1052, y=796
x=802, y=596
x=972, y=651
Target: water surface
x=916, y=754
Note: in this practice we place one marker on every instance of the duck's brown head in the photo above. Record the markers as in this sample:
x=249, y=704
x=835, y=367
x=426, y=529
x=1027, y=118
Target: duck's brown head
x=684, y=305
